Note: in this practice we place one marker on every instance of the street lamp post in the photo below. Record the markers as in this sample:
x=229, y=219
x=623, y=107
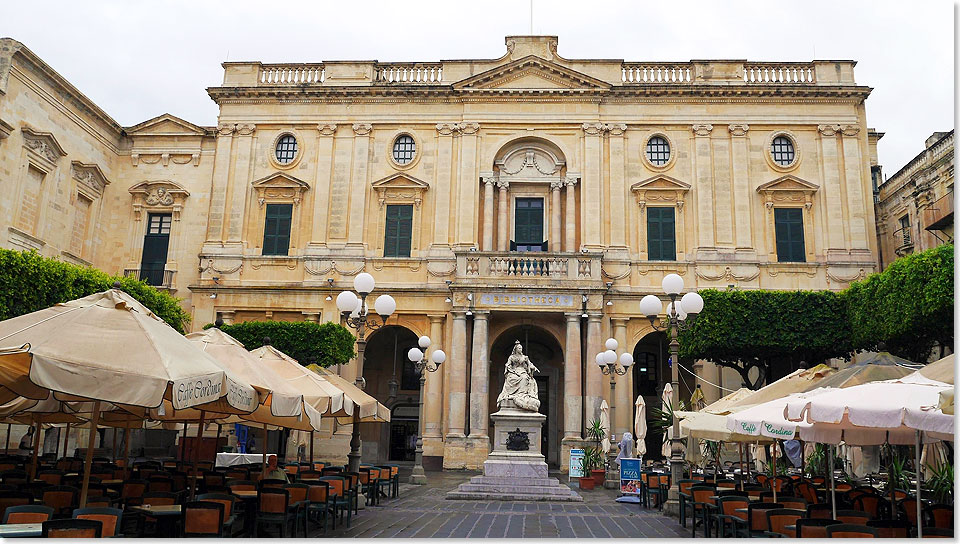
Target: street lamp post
x=418, y=476
x=679, y=316
x=357, y=316
x=607, y=361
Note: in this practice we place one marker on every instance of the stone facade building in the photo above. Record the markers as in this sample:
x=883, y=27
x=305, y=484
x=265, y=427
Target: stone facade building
x=529, y=197
x=915, y=205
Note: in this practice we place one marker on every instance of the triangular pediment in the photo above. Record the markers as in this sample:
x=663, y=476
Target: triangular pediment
x=165, y=125
x=400, y=181
x=788, y=183
x=280, y=180
x=660, y=183
x=531, y=72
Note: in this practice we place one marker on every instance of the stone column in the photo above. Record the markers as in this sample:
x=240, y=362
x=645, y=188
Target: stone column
x=618, y=208
x=442, y=215
x=222, y=166
x=433, y=391
x=503, y=231
x=624, y=412
x=855, y=183
x=468, y=185
x=742, y=195
x=358, y=185
x=703, y=188
x=572, y=363
x=487, y=227
x=555, y=218
x=592, y=190
x=594, y=377
x=240, y=182
x=480, y=377
x=457, y=377
x=832, y=193
x=321, y=193
x=570, y=232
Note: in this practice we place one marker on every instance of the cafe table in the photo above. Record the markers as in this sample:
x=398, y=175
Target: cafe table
x=168, y=515
x=21, y=530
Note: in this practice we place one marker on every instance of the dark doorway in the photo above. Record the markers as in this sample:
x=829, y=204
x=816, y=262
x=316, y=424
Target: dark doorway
x=543, y=393
x=155, y=244
x=649, y=372
x=403, y=433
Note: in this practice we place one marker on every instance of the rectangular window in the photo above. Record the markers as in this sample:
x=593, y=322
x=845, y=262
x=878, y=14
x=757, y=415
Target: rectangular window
x=398, y=231
x=661, y=234
x=789, y=231
x=155, y=244
x=528, y=221
x=276, y=229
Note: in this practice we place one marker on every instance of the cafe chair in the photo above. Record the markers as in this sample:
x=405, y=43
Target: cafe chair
x=109, y=517
x=820, y=511
x=703, y=505
x=851, y=530
x=727, y=514
x=339, y=497
x=62, y=498
x=938, y=515
x=52, y=477
x=779, y=518
x=274, y=509
x=937, y=532
x=298, y=505
x=202, y=519
x=27, y=513
x=231, y=526
x=757, y=523
x=263, y=484
x=319, y=503
x=160, y=482
x=890, y=528
x=813, y=527
x=875, y=505
x=685, y=497
x=72, y=528
x=798, y=503
x=13, y=498
x=856, y=517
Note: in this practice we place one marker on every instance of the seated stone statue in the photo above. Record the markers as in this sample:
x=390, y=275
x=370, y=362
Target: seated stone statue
x=519, y=384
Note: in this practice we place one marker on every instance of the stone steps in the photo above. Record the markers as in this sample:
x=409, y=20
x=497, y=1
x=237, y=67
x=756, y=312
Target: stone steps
x=519, y=482
x=475, y=492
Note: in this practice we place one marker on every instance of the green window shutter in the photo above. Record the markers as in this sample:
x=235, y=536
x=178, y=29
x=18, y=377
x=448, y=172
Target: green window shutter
x=276, y=229
x=398, y=231
x=788, y=227
x=528, y=220
x=661, y=234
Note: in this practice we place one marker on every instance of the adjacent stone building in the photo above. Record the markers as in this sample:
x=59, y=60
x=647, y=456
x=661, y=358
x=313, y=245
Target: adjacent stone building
x=529, y=197
x=915, y=205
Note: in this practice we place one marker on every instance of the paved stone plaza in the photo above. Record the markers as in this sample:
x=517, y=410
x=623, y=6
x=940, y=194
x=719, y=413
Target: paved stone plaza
x=423, y=512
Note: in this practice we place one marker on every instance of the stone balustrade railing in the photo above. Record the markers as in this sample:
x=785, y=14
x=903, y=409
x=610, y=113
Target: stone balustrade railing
x=500, y=265
x=759, y=73
x=657, y=72
x=409, y=73
x=291, y=74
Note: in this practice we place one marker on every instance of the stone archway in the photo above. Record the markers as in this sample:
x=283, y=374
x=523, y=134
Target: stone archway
x=392, y=380
x=650, y=372
x=546, y=352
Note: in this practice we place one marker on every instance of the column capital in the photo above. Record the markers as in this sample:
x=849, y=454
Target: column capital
x=502, y=184
x=488, y=178
x=459, y=314
x=436, y=318
x=469, y=128
x=362, y=129
x=326, y=129
x=571, y=179
x=828, y=130
x=594, y=317
x=226, y=129
x=593, y=129
x=447, y=129
x=702, y=129
x=619, y=320
x=615, y=129
x=738, y=129
x=850, y=130
x=481, y=314
x=246, y=129
x=556, y=185
x=572, y=316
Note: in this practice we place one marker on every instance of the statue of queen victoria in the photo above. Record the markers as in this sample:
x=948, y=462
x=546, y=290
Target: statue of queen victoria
x=519, y=386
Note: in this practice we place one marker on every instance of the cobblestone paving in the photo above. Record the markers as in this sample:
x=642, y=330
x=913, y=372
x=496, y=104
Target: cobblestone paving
x=423, y=512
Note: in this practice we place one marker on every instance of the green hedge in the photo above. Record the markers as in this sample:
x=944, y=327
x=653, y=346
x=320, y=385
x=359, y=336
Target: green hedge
x=326, y=344
x=31, y=282
x=908, y=307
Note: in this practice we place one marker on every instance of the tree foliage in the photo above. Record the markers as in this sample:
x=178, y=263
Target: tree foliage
x=908, y=307
x=31, y=282
x=325, y=344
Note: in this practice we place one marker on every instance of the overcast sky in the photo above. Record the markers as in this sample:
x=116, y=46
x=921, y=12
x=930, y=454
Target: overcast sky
x=138, y=59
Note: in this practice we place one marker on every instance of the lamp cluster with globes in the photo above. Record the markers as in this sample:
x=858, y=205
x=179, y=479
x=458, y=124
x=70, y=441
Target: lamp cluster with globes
x=607, y=361
x=681, y=312
x=422, y=366
x=356, y=315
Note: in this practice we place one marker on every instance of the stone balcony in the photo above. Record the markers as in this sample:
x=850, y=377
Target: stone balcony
x=939, y=215
x=519, y=268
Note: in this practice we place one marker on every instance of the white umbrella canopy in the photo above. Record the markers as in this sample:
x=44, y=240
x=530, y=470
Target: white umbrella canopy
x=320, y=397
x=605, y=423
x=640, y=425
x=667, y=403
x=354, y=399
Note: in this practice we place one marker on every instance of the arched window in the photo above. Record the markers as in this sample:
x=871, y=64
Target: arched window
x=286, y=149
x=404, y=149
x=782, y=151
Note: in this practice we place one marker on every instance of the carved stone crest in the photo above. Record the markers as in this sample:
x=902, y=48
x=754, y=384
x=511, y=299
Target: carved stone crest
x=518, y=440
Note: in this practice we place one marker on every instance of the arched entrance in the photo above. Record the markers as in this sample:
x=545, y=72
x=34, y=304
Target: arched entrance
x=392, y=380
x=546, y=354
x=650, y=372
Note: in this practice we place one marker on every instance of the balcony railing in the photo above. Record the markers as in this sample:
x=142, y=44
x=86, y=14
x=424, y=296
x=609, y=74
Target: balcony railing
x=498, y=265
x=291, y=74
x=903, y=241
x=409, y=73
x=155, y=276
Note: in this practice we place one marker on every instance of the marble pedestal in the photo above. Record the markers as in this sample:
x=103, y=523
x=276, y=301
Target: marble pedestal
x=511, y=474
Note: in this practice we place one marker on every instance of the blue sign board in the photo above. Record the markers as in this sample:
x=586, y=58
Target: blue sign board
x=630, y=476
x=576, y=463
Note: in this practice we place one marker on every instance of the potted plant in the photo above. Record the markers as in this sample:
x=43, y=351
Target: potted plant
x=597, y=433
x=589, y=462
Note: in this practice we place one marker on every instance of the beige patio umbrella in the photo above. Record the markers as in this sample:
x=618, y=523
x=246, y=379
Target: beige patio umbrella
x=370, y=411
x=605, y=423
x=109, y=348
x=640, y=425
x=667, y=400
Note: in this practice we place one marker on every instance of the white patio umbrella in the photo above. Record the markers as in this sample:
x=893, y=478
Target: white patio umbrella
x=640, y=426
x=109, y=348
x=667, y=399
x=605, y=423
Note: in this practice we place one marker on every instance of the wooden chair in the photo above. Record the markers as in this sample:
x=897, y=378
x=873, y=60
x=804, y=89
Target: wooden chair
x=52, y=477
x=319, y=502
x=368, y=484
x=353, y=489
x=274, y=509
x=890, y=528
x=109, y=517
x=271, y=483
x=319, y=466
x=241, y=485
x=702, y=504
x=875, y=505
x=160, y=482
x=820, y=511
x=779, y=518
x=850, y=530
x=685, y=497
x=757, y=523
x=72, y=528
x=132, y=491
x=813, y=527
x=27, y=513
x=213, y=479
x=35, y=488
x=229, y=516
x=15, y=477
x=236, y=474
x=202, y=518
x=727, y=514
x=654, y=489
x=298, y=505
x=807, y=491
x=853, y=517
x=339, y=498
x=62, y=498
x=291, y=468
x=159, y=498
x=798, y=503
x=13, y=498
x=939, y=516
